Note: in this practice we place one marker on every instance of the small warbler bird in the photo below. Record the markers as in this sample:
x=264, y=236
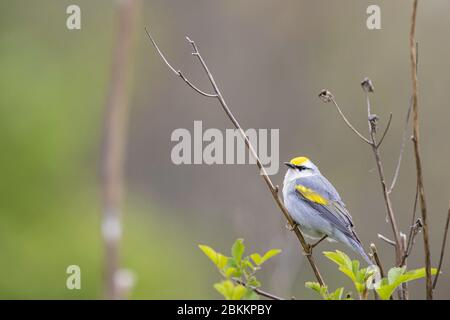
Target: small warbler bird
x=316, y=206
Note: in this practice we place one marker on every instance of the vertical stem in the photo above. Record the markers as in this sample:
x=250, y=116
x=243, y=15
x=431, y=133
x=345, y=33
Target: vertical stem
x=114, y=135
x=404, y=294
x=386, y=196
x=423, y=206
x=444, y=240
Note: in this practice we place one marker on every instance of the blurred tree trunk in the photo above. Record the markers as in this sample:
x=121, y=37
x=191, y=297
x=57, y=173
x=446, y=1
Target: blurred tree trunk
x=114, y=137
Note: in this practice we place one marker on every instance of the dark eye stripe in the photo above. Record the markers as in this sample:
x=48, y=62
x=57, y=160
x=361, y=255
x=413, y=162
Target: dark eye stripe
x=301, y=168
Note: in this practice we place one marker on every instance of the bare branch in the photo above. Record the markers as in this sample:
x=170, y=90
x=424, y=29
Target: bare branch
x=411, y=237
x=178, y=73
x=273, y=189
x=385, y=130
x=326, y=96
x=259, y=291
x=444, y=241
x=386, y=239
x=209, y=95
x=423, y=206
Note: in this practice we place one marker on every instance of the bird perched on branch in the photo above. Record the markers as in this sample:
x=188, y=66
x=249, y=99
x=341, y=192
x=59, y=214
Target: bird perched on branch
x=316, y=206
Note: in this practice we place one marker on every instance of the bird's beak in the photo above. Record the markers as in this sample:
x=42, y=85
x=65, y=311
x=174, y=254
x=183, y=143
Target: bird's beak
x=290, y=165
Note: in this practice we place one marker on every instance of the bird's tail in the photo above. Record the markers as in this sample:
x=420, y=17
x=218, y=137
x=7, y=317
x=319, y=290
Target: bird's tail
x=356, y=245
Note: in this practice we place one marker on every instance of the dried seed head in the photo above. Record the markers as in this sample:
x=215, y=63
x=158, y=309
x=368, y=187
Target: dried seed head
x=373, y=118
x=325, y=95
x=419, y=223
x=367, y=85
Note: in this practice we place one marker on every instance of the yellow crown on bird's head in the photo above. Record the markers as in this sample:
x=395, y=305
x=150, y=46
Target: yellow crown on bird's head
x=298, y=161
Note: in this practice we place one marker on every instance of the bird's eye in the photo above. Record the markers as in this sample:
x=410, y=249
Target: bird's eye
x=301, y=168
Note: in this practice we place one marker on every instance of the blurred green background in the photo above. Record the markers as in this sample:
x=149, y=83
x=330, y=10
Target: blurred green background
x=271, y=58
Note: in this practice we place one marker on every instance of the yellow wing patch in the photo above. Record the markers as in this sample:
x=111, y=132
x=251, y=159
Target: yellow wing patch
x=299, y=161
x=311, y=195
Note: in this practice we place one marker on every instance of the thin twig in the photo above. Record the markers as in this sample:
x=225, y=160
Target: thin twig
x=402, y=148
x=415, y=229
x=444, y=241
x=259, y=291
x=412, y=229
x=423, y=206
x=273, y=189
x=387, y=198
x=178, y=73
x=405, y=131
x=403, y=292
x=386, y=239
x=348, y=122
x=385, y=130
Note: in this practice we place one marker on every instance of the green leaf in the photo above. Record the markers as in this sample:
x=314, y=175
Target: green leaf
x=231, y=272
x=417, y=274
x=313, y=286
x=238, y=292
x=394, y=274
x=350, y=269
x=218, y=259
x=225, y=288
x=209, y=252
x=251, y=295
x=246, y=263
x=322, y=290
x=340, y=258
x=256, y=257
x=349, y=273
x=232, y=263
x=337, y=294
x=355, y=266
x=397, y=276
x=237, y=250
x=270, y=254
x=222, y=261
x=252, y=281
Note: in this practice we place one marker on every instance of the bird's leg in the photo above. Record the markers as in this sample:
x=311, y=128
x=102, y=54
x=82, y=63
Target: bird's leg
x=318, y=241
x=291, y=227
x=310, y=247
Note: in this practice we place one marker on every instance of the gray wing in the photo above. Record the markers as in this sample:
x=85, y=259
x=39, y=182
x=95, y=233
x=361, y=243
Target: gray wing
x=334, y=211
